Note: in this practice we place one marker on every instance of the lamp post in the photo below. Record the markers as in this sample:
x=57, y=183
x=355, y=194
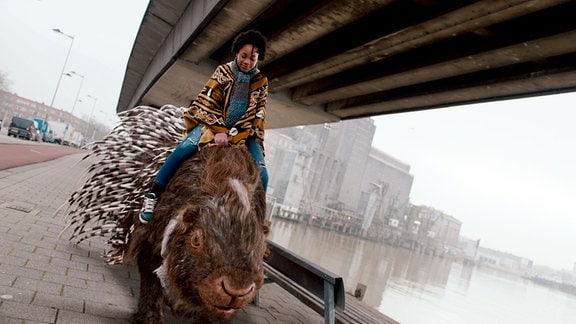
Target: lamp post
x=72, y=73
x=91, y=114
x=65, y=62
x=59, y=77
x=69, y=122
x=105, y=115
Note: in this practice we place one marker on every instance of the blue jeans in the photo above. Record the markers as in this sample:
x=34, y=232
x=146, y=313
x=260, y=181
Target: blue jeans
x=188, y=147
x=258, y=157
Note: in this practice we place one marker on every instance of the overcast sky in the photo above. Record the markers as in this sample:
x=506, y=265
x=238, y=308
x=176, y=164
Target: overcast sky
x=33, y=56
x=505, y=169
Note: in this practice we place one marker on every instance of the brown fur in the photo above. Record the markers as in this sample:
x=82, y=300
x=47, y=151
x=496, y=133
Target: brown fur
x=214, y=256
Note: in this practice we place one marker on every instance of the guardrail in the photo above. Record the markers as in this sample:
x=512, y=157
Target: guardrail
x=318, y=288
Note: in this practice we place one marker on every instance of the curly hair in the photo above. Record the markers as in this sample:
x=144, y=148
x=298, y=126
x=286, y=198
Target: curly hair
x=252, y=37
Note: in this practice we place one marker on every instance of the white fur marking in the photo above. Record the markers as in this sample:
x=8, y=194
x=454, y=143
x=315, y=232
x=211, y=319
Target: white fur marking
x=161, y=274
x=167, y=233
x=242, y=193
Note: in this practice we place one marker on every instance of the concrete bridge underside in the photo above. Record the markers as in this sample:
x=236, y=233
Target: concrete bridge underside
x=341, y=59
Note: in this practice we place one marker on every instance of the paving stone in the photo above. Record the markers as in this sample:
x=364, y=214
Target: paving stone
x=68, y=317
x=27, y=312
x=38, y=285
x=58, y=302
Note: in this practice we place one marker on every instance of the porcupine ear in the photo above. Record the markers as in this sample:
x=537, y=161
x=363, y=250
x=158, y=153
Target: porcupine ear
x=122, y=167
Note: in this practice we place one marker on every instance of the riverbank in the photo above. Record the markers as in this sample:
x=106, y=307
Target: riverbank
x=554, y=283
x=418, y=288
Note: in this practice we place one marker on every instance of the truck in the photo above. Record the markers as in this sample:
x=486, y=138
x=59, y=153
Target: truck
x=77, y=139
x=72, y=138
x=56, y=132
x=43, y=128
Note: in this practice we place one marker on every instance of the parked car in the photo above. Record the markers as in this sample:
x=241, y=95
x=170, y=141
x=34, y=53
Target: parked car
x=22, y=128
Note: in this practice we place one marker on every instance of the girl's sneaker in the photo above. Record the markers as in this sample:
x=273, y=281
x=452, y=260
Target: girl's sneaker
x=150, y=201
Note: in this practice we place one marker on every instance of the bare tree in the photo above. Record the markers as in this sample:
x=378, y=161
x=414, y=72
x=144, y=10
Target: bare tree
x=4, y=87
x=5, y=82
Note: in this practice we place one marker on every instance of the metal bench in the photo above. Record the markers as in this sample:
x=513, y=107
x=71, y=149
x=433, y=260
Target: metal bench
x=318, y=288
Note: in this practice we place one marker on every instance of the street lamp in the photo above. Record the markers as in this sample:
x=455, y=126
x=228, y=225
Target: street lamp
x=70, y=74
x=65, y=62
x=60, y=77
x=105, y=115
x=91, y=114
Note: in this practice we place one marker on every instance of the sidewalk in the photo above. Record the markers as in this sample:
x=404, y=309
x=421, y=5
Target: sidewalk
x=46, y=279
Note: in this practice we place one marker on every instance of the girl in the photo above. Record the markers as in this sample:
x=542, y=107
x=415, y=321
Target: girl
x=229, y=110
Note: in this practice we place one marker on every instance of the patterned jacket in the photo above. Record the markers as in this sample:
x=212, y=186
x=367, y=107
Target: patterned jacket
x=210, y=107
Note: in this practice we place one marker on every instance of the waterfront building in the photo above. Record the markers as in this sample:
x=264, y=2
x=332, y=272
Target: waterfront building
x=502, y=260
x=469, y=249
x=386, y=184
x=331, y=176
x=432, y=230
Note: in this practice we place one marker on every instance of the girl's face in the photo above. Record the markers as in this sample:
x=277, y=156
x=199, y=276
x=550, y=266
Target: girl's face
x=247, y=57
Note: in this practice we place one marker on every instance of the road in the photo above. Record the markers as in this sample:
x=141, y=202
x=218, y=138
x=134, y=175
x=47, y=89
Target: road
x=17, y=152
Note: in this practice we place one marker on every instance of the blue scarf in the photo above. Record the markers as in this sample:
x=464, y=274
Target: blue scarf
x=240, y=94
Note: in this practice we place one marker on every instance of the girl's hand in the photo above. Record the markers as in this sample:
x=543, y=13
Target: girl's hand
x=221, y=139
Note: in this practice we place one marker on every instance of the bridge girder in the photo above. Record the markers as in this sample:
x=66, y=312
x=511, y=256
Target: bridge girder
x=341, y=59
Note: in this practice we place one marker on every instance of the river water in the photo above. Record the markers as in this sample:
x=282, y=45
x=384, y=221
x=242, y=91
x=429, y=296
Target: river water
x=416, y=288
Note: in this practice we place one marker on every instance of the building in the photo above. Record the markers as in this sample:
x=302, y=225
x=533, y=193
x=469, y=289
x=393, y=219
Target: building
x=502, y=260
x=386, y=185
x=469, y=249
x=433, y=230
x=331, y=172
x=13, y=105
